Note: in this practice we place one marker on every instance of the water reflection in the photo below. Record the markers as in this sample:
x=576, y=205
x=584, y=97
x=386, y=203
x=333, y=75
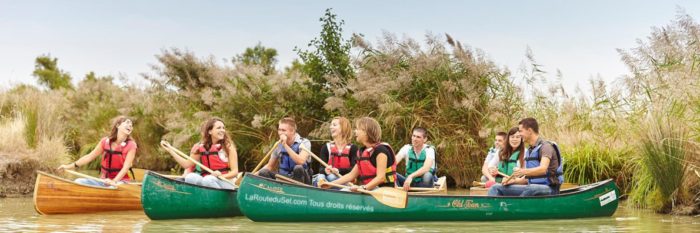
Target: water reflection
x=18, y=215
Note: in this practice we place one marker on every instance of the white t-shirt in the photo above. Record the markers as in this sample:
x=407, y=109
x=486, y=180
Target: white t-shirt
x=429, y=153
x=492, y=157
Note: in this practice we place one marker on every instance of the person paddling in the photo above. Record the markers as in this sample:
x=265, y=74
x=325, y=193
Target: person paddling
x=217, y=151
x=544, y=170
x=376, y=166
x=118, y=151
x=289, y=159
x=420, y=161
x=339, y=154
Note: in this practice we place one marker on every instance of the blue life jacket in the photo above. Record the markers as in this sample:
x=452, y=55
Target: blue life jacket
x=287, y=163
x=532, y=160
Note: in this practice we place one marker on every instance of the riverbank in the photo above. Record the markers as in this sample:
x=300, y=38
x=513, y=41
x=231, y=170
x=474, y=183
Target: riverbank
x=17, y=175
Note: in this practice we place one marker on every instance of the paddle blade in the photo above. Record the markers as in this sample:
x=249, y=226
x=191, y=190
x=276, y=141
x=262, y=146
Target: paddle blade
x=390, y=196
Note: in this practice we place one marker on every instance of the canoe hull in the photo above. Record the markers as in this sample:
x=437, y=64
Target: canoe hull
x=266, y=200
x=56, y=195
x=166, y=198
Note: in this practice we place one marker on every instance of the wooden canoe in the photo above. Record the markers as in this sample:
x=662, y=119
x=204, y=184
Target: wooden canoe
x=168, y=198
x=266, y=200
x=56, y=195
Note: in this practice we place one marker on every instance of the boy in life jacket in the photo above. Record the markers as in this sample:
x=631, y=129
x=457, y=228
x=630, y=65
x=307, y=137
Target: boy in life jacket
x=376, y=166
x=340, y=154
x=118, y=151
x=289, y=159
x=420, y=161
x=543, y=170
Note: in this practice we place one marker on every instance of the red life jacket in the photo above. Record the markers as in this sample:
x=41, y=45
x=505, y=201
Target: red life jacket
x=113, y=158
x=339, y=160
x=210, y=158
x=368, y=166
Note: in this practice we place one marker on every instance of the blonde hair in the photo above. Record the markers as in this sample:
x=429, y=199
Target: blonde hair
x=371, y=128
x=345, y=128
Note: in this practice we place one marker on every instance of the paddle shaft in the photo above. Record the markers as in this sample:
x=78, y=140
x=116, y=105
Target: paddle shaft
x=127, y=187
x=262, y=161
x=319, y=160
x=178, y=152
x=84, y=175
x=343, y=186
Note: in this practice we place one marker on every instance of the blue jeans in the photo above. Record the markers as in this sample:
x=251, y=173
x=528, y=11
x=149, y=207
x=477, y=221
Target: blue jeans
x=95, y=183
x=208, y=181
x=428, y=180
x=329, y=178
x=522, y=190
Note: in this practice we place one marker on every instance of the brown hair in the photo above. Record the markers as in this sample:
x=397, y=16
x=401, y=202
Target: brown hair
x=530, y=123
x=206, y=137
x=289, y=121
x=371, y=128
x=345, y=128
x=508, y=150
x=421, y=130
x=115, y=128
x=502, y=134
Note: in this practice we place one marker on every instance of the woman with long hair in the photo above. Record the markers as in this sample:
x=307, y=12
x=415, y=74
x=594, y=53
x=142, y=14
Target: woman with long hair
x=217, y=151
x=339, y=154
x=512, y=155
x=118, y=151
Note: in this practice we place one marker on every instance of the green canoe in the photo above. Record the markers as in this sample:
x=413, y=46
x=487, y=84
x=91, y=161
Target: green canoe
x=267, y=200
x=166, y=198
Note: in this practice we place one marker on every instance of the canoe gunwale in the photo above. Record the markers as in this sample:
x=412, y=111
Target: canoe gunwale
x=581, y=189
x=162, y=177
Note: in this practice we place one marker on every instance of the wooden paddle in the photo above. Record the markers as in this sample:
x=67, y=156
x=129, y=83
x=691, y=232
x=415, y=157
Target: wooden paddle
x=319, y=160
x=239, y=178
x=183, y=155
x=504, y=175
x=262, y=161
x=388, y=196
x=133, y=189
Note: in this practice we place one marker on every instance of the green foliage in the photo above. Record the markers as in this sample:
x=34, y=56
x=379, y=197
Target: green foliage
x=260, y=56
x=327, y=64
x=47, y=73
x=592, y=162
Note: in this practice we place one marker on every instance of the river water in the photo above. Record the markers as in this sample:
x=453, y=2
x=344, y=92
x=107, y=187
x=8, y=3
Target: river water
x=18, y=215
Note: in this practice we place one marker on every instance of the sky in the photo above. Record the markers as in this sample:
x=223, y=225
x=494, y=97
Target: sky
x=121, y=38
